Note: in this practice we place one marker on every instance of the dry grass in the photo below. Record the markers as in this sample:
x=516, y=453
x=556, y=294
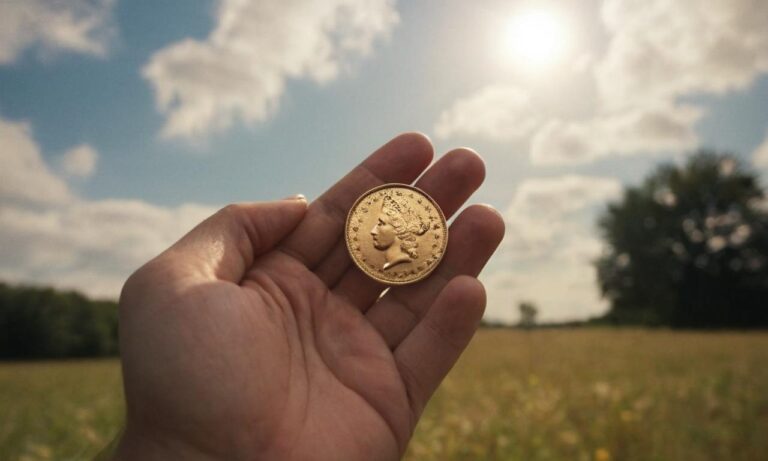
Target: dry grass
x=541, y=395
x=58, y=410
x=601, y=394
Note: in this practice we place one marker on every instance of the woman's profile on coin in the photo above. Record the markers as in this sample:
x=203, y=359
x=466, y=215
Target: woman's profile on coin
x=396, y=234
x=397, y=231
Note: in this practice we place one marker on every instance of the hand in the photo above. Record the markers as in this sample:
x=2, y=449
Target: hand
x=256, y=337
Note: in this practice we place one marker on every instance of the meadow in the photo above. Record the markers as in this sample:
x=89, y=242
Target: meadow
x=588, y=394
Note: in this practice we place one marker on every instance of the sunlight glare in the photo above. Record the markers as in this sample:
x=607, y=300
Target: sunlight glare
x=536, y=37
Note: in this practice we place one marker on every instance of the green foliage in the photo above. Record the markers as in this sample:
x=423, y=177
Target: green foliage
x=688, y=248
x=45, y=323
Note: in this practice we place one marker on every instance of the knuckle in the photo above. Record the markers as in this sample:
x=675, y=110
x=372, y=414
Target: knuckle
x=233, y=210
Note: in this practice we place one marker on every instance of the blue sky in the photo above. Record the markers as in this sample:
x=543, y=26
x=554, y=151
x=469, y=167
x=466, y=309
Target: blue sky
x=284, y=97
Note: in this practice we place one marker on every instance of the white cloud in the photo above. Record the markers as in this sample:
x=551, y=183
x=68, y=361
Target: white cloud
x=88, y=245
x=82, y=26
x=239, y=72
x=760, y=155
x=24, y=176
x=658, y=52
x=80, y=161
x=549, y=247
x=499, y=112
x=660, y=128
x=49, y=235
x=546, y=214
x=555, y=197
x=561, y=291
x=661, y=49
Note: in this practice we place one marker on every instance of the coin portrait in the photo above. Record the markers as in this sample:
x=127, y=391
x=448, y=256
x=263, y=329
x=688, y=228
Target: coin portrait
x=396, y=234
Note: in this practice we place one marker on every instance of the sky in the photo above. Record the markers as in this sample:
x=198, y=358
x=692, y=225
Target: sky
x=123, y=124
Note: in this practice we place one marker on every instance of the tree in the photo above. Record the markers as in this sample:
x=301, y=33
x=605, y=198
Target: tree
x=45, y=323
x=528, y=312
x=688, y=247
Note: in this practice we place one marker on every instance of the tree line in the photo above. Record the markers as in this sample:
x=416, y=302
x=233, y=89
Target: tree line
x=688, y=248
x=37, y=323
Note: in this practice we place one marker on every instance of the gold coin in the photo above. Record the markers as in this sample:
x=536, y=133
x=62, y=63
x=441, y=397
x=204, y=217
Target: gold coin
x=396, y=234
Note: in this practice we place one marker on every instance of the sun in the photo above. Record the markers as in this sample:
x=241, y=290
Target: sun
x=536, y=38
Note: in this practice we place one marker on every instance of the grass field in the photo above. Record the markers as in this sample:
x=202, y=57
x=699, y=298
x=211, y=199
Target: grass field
x=542, y=395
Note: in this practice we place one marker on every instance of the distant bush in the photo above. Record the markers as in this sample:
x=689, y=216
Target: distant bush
x=45, y=323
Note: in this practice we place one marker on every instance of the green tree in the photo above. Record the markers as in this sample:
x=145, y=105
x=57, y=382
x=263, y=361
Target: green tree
x=688, y=247
x=528, y=313
x=45, y=323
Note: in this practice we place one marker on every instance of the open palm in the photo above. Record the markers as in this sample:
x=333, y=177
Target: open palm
x=255, y=337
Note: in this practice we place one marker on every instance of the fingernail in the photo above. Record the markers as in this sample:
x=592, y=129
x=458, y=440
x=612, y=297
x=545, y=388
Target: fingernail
x=299, y=197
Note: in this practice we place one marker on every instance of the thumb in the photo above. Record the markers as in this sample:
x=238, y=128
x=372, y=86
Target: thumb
x=224, y=245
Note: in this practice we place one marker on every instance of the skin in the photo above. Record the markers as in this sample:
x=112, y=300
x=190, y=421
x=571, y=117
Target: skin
x=255, y=337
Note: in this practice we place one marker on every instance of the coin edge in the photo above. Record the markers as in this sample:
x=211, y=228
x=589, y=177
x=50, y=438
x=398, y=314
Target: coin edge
x=443, y=247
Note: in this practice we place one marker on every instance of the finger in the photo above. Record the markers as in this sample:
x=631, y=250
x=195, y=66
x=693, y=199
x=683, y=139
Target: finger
x=223, y=246
x=473, y=237
x=450, y=181
x=400, y=160
x=429, y=352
